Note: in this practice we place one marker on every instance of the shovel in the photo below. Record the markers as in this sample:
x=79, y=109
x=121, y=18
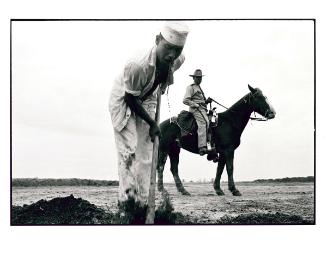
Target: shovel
x=152, y=197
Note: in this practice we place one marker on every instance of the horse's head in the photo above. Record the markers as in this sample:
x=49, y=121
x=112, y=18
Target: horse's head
x=260, y=103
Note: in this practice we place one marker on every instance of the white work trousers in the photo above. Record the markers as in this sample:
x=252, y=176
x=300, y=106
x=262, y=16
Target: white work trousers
x=135, y=157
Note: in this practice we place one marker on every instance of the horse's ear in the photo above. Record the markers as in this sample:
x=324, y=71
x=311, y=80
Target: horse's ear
x=251, y=89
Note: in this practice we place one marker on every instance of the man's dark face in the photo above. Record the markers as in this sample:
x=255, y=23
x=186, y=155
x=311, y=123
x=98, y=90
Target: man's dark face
x=197, y=80
x=167, y=52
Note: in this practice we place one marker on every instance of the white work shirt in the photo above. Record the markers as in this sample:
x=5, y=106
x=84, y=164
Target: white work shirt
x=137, y=79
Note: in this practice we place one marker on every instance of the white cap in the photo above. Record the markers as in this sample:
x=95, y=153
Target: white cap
x=175, y=32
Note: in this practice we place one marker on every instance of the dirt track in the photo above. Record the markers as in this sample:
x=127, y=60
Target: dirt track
x=267, y=203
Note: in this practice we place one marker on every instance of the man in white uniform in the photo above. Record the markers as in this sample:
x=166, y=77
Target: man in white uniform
x=132, y=107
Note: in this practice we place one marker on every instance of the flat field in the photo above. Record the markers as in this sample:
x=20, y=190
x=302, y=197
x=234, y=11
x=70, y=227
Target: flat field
x=203, y=206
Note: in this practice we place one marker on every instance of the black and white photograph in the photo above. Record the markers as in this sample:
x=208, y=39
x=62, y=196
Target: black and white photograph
x=163, y=122
x=159, y=127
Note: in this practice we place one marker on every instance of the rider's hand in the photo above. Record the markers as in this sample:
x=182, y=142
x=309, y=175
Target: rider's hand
x=154, y=131
x=209, y=100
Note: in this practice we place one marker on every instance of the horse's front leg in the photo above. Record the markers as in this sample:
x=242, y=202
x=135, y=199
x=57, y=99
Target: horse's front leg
x=230, y=169
x=220, y=169
x=162, y=157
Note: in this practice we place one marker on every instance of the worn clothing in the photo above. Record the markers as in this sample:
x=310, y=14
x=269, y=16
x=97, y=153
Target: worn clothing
x=202, y=121
x=195, y=99
x=137, y=79
x=134, y=146
x=134, y=165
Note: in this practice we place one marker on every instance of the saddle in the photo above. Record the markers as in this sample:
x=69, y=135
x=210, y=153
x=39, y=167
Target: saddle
x=186, y=121
x=187, y=124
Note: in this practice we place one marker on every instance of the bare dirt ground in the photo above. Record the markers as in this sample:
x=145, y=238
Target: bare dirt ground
x=203, y=206
x=286, y=198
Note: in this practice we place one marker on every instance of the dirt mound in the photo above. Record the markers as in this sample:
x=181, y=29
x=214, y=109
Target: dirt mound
x=60, y=210
x=70, y=210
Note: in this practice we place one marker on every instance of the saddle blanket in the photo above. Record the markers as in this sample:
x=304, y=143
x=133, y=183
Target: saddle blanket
x=186, y=121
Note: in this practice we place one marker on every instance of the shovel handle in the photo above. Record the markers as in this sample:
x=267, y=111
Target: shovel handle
x=152, y=196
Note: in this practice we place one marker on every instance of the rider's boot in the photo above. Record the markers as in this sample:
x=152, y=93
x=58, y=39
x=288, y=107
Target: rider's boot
x=213, y=155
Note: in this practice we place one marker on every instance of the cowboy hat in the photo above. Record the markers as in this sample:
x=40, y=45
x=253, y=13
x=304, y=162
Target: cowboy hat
x=197, y=73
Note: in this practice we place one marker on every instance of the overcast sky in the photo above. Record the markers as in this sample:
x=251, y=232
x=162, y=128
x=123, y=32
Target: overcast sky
x=63, y=72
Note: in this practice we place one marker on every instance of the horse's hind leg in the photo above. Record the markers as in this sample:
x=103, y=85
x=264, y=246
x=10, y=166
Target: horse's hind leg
x=174, y=160
x=162, y=158
x=220, y=169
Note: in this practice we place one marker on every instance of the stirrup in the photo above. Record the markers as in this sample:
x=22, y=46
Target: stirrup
x=203, y=151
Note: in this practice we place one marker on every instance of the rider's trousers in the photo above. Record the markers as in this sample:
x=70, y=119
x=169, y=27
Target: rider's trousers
x=201, y=117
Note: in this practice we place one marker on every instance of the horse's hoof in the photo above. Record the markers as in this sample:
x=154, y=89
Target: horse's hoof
x=220, y=192
x=185, y=193
x=236, y=193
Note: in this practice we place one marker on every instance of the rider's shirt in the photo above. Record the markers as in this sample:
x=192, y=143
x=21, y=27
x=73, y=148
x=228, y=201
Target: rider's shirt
x=194, y=97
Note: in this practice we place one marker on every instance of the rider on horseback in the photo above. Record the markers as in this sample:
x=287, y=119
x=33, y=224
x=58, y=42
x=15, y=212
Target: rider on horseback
x=195, y=99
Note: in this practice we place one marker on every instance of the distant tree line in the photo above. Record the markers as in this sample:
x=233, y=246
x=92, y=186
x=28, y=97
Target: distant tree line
x=288, y=179
x=35, y=182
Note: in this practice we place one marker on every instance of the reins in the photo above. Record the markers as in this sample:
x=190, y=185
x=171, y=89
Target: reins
x=219, y=104
x=251, y=118
x=170, y=118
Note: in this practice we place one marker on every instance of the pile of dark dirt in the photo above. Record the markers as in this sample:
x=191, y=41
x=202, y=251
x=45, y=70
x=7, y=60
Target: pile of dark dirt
x=76, y=211
x=263, y=219
x=60, y=210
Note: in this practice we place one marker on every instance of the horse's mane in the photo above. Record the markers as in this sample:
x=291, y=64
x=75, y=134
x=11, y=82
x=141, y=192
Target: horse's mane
x=234, y=107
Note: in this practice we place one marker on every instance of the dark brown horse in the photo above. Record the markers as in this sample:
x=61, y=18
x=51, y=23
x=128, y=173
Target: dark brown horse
x=226, y=136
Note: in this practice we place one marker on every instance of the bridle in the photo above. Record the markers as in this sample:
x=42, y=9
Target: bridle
x=250, y=96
